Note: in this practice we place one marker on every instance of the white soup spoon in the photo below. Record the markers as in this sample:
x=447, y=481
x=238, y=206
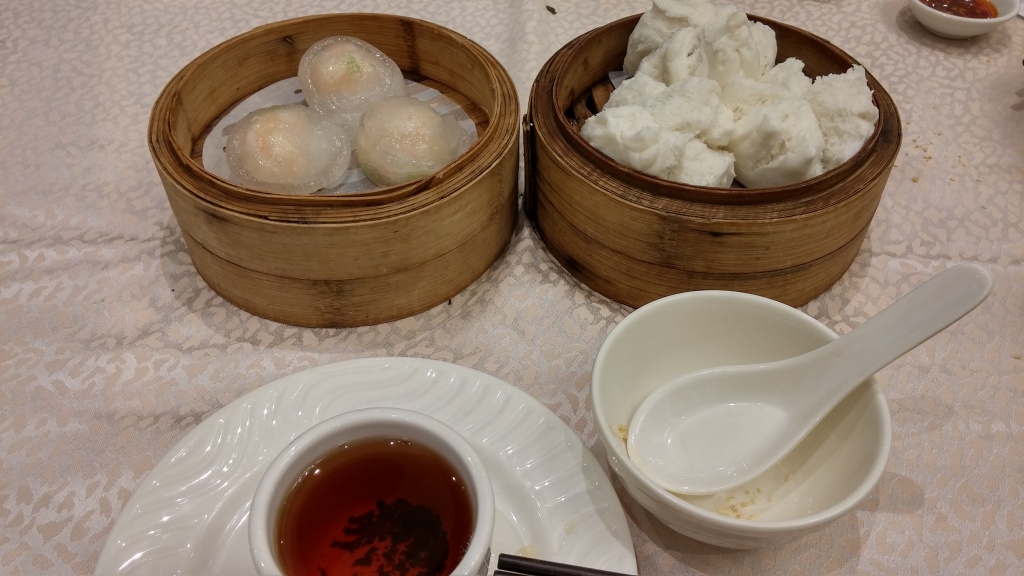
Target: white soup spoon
x=712, y=430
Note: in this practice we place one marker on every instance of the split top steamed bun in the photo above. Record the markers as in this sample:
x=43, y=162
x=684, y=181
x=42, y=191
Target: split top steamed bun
x=705, y=87
x=673, y=132
x=402, y=139
x=342, y=76
x=288, y=149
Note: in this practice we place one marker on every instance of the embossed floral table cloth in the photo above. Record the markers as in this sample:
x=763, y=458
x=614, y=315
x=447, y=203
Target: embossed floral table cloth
x=112, y=348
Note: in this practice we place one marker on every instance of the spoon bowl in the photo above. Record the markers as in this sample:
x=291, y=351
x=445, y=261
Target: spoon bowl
x=712, y=430
x=826, y=476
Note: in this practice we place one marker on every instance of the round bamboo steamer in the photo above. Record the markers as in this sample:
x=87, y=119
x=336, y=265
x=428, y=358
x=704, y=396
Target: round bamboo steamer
x=353, y=259
x=635, y=238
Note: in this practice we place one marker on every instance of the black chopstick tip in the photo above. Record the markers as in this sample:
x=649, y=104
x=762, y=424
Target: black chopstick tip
x=512, y=565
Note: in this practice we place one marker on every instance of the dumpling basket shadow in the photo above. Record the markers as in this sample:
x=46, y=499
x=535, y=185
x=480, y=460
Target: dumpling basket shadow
x=635, y=238
x=341, y=260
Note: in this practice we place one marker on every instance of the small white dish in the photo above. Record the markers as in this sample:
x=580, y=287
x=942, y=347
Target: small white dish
x=369, y=424
x=958, y=27
x=835, y=467
x=552, y=499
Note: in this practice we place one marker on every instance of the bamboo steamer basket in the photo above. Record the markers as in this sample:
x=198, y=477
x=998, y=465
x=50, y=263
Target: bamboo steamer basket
x=635, y=238
x=341, y=260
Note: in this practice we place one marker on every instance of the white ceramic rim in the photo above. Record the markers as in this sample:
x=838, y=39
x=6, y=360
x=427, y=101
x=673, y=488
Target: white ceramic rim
x=321, y=438
x=719, y=521
x=1013, y=5
x=969, y=26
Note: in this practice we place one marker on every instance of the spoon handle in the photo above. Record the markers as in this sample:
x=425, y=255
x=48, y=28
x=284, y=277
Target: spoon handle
x=911, y=320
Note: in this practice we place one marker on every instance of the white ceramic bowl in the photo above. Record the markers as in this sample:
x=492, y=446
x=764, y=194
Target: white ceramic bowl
x=958, y=27
x=371, y=423
x=827, y=475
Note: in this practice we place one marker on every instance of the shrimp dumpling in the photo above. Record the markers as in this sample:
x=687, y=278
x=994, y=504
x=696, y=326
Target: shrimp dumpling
x=342, y=76
x=402, y=139
x=288, y=149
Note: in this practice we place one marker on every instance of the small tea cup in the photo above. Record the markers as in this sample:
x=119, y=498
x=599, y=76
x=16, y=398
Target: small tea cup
x=375, y=487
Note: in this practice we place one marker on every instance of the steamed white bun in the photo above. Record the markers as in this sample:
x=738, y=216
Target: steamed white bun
x=632, y=136
x=778, y=143
x=635, y=90
x=707, y=102
x=846, y=112
x=703, y=165
x=737, y=47
x=680, y=57
x=694, y=107
x=745, y=95
x=662, y=21
x=789, y=74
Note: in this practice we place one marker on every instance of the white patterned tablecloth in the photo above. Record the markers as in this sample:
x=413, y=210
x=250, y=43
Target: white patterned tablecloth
x=112, y=348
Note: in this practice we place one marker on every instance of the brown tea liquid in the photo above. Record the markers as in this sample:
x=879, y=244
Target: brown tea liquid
x=376, y=507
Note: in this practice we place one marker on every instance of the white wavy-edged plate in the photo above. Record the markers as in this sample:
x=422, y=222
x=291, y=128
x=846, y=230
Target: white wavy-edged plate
x=189, y=515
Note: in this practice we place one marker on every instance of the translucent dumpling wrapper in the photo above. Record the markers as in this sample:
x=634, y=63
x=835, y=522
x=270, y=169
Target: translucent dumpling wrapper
x=402, y=139
x=288, y=149
x=342, y=76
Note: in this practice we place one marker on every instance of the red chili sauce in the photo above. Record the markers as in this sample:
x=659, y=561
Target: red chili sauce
x=964, y=8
